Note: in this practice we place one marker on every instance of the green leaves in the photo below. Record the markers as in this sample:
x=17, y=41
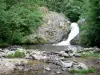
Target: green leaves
x=71, y=8
x=92, y=24
x=21, y=18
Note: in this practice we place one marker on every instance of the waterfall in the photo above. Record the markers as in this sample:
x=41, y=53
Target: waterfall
x=74, y=31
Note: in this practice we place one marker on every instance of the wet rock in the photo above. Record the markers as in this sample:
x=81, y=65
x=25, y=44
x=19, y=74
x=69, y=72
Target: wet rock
x=47, y=69
x=1, y=50
x=97, y=51
x=83, y=66
x=77, y=55
x=14, y=48
x=39, y=57
x=5, y=50
x=78, y=66
x=62, y=53
x=28, y=56
x=66, y=64
x=2, y=54
x=58, y=72
x=64, y=69
x=98, y=61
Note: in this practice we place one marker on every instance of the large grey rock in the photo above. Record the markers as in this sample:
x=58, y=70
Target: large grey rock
x=54, y=28
x=78, y=66
x=62, y=53
x=66, y=64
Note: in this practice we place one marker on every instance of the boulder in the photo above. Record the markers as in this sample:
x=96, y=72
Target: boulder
x=54, y=28
x=78, y=66
x=62, y=53
x=66, y=64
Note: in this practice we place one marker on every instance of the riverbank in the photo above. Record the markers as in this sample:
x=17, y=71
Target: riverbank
x=48, y=62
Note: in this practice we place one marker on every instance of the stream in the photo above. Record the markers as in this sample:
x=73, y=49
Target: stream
x=55, y=70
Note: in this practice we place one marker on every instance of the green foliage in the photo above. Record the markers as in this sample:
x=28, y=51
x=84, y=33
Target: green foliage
x=18, y=19
x=90, y=54
x=82, y=71
x=17, y=54
x=92, y=26
x=11, y=55
x=71, y=8
x=3, y=45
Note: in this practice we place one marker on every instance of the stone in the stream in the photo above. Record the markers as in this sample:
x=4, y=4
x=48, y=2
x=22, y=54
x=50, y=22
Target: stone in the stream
x=1, y=50
x=39, y=57
x=47, y=68
x=6, y=50
x=78, y=66
x=58, y=72
x=83, y=66
x=28, y=56
x=77, y=55
x=62, y=53
x=66, y=64
x=14, y=48
x=2, y=54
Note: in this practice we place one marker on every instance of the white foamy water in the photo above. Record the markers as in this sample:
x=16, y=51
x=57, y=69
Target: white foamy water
x=73, y=33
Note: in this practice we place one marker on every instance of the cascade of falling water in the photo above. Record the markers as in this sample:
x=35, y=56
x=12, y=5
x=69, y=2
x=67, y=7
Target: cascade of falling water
x=74, y=32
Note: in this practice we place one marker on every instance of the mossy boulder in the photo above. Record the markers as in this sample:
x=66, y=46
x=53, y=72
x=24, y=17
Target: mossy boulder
x=55, y=26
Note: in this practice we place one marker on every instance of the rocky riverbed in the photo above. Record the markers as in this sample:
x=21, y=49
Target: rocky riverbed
x=36, y=62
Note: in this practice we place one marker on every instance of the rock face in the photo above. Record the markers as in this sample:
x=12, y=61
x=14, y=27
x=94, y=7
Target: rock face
x=54, y=28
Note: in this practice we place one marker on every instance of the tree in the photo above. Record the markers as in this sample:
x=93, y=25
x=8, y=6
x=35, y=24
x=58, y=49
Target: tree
x=92, y=26
x=3, y=27
x=71, y=8
x=22, y=18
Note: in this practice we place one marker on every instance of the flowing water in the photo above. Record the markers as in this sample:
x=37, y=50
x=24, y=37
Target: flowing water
x=74, y=31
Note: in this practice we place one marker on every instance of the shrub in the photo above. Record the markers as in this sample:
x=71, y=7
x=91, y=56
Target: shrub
x=11, y=55
x=17, y=54
x=82, y=71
